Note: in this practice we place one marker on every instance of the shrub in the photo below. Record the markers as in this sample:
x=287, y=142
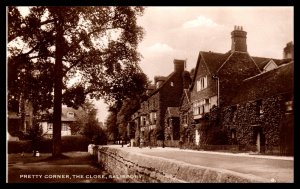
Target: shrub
x=69, y=143
x=75, y=143
x=19, y=146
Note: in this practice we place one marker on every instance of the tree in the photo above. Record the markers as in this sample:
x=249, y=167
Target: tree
x=112, y=127
x=129, y=107
x=99, y=44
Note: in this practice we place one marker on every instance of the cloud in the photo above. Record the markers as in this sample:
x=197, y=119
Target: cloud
x=160, y=47
x=200, y=21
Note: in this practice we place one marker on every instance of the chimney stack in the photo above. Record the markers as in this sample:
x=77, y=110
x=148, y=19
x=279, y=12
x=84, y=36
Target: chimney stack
x=238, y=36
x=159, y=80
x=288, y=51
x=179, y=65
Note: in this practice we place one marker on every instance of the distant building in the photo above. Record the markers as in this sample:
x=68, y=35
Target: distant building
x=166, y=92
x=68, y=117
x=19, y=116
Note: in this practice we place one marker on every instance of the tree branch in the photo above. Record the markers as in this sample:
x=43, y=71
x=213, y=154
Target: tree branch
x=73, y=65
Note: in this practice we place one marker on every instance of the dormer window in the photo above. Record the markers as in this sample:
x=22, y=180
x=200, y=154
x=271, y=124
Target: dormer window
x=270, y=66
x=202, y=83
x=70, y=114
x=172, y=84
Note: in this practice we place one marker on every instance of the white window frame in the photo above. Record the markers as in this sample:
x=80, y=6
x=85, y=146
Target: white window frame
x=201, y=83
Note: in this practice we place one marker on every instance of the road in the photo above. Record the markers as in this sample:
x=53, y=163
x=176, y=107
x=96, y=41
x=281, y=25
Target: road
x=271, y=167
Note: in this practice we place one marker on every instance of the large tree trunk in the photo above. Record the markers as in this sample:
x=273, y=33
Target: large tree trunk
x=56, y=151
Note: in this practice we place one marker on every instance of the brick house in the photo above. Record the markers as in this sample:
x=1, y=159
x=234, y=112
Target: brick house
x=224, y=83
x=149, y=120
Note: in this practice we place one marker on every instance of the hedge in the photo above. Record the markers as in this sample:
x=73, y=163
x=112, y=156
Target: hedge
x=69, y=143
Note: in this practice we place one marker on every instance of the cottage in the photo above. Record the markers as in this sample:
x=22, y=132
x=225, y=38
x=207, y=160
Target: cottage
x=67, y=118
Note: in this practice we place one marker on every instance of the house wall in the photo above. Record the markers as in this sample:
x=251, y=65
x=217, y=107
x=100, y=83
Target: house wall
x=211, y=89
x=239, y=67
x=48, y=132
x=246, y=118
x=45, y=131
x=185, y=113
x=169, y=97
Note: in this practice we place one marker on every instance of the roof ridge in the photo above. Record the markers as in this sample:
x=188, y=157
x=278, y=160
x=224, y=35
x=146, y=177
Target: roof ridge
x=224, y=62
x=261, y=73
x=212, y=52
x=205, y=63
x=254, y=63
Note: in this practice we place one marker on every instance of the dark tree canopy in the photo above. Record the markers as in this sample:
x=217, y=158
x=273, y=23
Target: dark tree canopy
x=54, y=45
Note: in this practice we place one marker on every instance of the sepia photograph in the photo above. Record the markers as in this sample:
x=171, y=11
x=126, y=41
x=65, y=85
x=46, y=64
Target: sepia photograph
x=150, y=94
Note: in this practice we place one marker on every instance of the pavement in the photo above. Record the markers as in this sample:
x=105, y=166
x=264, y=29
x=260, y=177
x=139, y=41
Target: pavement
x=276, y=168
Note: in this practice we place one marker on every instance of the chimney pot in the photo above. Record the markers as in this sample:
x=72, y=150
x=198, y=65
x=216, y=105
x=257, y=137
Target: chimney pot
x=238, y=37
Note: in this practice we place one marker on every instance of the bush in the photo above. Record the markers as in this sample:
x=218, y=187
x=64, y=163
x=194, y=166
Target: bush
x=69, y=143
x=19, y=146
x=75, y=143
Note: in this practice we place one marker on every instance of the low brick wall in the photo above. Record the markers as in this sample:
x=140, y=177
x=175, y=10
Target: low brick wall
x=134, y=167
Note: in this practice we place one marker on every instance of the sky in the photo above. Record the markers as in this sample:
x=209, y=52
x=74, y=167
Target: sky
x=181, y=32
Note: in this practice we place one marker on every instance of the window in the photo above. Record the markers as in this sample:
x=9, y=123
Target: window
x=153, y=118
x=260, y=111
x=49, y=126
x=143, y=120
x=64, y=127
x=172, y=84
x=196, y=109
x=233, y=113
x=202, y=106
x=185, y=119
x=202, y=83
x=233, y=133
x=289, y=106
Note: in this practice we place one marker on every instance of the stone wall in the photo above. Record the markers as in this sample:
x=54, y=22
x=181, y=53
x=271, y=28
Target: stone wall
x=134, y=167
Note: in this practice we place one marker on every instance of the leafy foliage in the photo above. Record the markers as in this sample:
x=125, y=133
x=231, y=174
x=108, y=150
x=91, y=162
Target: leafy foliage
x=97, y=44
x=112, y=127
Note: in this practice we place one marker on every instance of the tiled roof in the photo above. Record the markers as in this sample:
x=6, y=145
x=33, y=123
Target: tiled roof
x=64, y=118
x=262, y=61
x=165, y=81
x=64, y=113
x=240, y=62
x=214, y=60
x=160, y=78
x=173, y=112
x=277, y=81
